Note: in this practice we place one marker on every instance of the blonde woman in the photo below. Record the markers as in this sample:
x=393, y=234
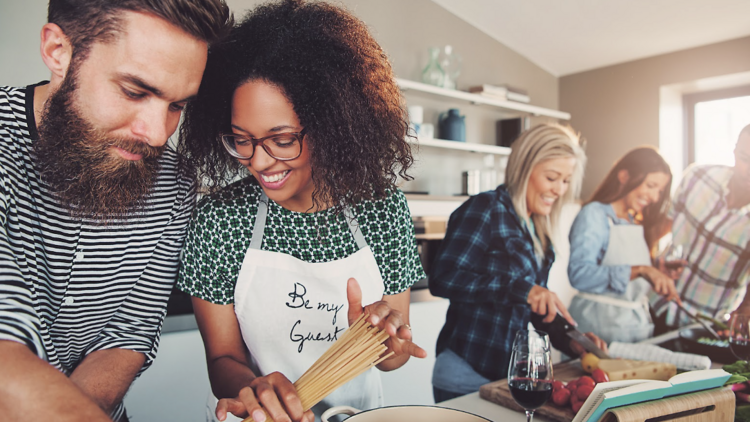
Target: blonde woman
x=494, y=262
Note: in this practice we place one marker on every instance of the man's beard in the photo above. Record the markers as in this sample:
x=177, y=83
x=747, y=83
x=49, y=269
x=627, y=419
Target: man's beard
x=77, y=162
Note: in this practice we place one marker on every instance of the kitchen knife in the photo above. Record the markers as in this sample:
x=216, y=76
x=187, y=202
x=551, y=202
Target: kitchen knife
x=572, y=332
x=587, y=343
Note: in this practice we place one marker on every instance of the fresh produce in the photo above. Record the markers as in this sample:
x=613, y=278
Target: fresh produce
x=599, y=375
x=739, y=383
x=589, y=362
x=575, y=392
x=561, y=396
x=718, y=324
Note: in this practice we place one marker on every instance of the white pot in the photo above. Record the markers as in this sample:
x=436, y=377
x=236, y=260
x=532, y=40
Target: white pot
x=403, y=414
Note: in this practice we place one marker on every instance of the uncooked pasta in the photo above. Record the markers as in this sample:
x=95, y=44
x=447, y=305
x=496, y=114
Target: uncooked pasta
x=359, y=349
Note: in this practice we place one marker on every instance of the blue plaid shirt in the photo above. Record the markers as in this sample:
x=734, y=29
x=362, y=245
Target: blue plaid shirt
x=486, y=266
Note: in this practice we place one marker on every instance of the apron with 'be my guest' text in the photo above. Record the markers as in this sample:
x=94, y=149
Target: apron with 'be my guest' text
x=291, y=311
x=612, y=316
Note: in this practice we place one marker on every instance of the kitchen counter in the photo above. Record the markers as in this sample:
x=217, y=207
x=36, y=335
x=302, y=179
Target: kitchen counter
x=472, y=403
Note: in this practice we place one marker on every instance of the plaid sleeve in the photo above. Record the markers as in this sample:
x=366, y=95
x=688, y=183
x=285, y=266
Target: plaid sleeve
x=484, y=256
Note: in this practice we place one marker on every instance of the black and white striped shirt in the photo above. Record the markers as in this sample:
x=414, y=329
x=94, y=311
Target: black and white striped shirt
x=70, y=287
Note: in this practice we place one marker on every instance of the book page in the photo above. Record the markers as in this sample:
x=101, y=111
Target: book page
x=645, y=385
x=697, y=376
x=597, y=396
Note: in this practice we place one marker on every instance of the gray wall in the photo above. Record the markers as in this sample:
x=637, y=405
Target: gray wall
x=617, y=107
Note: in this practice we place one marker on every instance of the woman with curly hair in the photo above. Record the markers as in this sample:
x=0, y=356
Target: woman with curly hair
x=611, y=247
x=280, y=262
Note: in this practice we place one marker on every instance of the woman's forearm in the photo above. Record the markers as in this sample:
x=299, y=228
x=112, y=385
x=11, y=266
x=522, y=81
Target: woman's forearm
x=228, y=377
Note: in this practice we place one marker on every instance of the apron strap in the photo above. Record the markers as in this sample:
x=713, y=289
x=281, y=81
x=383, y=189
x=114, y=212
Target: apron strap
x=354, y=228
x=260, y=225
x=260, y=222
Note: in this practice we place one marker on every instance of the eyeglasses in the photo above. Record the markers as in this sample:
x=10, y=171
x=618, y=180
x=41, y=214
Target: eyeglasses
x=281, y=146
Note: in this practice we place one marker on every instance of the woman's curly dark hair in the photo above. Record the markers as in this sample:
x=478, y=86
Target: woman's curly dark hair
x=340, y=84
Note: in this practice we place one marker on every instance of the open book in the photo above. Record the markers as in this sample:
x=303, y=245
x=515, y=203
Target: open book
x=607, y=395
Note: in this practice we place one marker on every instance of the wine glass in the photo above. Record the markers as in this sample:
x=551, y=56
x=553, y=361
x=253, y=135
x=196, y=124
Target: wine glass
x=530, y=370
x=674, y=256
x=739, y=336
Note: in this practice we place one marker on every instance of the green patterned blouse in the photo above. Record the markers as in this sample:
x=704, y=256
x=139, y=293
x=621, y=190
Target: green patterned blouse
x=222, y=226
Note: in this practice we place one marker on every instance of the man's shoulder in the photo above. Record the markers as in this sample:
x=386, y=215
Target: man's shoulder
x=715, y=172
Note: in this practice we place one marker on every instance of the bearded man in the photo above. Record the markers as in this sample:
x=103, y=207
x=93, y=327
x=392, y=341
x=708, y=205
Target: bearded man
x=93, y=202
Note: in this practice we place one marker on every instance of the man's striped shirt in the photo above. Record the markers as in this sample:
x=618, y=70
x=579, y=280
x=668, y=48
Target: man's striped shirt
x=70, y=287
x=717, y=241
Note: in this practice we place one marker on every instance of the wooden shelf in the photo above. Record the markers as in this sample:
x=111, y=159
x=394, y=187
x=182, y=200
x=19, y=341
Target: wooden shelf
x=462, y=146
x=406, y=85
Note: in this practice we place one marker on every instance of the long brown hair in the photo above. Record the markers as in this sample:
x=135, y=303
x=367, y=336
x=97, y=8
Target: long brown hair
x=639, y=163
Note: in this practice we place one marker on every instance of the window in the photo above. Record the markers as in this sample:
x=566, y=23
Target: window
x=714, y=121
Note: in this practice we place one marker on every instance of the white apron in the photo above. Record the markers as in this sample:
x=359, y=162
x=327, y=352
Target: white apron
x=290, y=312
x=618, y=317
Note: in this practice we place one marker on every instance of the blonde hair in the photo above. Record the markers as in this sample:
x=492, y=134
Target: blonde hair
x=541, y=143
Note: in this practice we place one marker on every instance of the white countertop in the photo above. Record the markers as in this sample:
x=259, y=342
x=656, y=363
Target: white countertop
x=472, y=403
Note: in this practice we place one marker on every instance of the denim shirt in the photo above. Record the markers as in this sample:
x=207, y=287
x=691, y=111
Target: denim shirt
x=589, y=238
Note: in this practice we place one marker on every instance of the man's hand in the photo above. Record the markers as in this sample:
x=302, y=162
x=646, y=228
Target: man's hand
x=580, y=351
x=545, y=302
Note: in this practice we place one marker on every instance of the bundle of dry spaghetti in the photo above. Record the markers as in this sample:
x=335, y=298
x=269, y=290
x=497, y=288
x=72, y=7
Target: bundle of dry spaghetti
x=357, y=350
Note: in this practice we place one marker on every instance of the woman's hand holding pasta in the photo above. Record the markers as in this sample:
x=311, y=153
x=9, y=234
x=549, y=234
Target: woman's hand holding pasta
x=275, y=393
x=388, y=319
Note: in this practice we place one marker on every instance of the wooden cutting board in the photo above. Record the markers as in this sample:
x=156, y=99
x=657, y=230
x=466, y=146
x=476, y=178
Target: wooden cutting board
x=499, y=393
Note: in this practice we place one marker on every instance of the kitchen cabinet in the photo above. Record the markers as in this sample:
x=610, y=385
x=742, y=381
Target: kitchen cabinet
x=439, y=164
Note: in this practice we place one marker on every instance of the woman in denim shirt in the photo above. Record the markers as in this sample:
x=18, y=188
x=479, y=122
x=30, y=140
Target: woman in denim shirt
x=611, y=244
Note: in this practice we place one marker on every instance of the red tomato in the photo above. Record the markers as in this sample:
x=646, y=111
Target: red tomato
x=572, y=383
x=584, y=391
x=571, y=389
x=556, y=385
x=586, y=380
x=561, y=397
x=599, y=376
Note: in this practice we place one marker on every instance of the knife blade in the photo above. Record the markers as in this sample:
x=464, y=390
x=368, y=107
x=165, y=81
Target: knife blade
x=585, y=342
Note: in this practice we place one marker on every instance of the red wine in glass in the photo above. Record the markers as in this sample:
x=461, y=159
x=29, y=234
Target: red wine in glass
x=673, y=265
x=739, y=336
x=530, y=370
x=674, y=256
x=529, y=393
